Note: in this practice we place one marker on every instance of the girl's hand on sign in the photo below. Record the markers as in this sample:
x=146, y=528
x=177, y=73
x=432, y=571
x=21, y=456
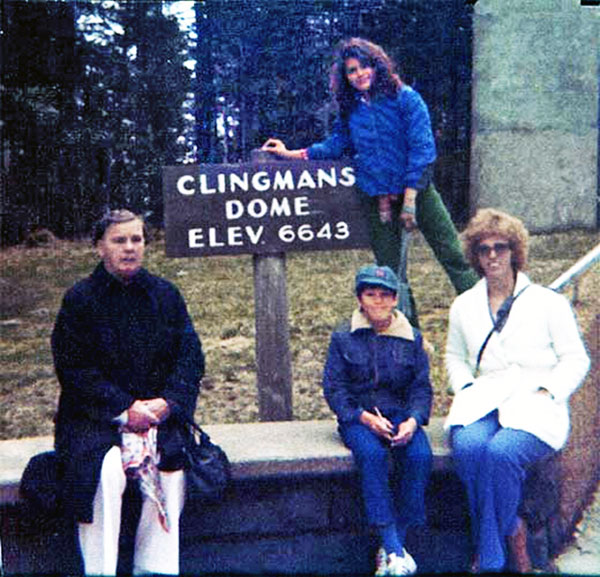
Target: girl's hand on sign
x=275, y=146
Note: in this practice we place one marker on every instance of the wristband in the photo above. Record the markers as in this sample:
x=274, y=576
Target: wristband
x=304, y=154
x=409, y=209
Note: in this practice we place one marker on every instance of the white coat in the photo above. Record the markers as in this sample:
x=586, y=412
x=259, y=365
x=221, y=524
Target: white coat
x=539, y=347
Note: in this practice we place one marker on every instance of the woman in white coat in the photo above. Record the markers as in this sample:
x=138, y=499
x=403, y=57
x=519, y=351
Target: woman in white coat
x=511, y=395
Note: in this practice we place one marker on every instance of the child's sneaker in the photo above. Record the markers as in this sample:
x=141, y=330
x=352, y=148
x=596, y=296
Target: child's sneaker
x=410, y=562
x=404, y=565
x=381, y=562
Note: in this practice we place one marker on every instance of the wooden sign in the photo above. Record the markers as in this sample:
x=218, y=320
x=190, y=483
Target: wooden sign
x=262, y=208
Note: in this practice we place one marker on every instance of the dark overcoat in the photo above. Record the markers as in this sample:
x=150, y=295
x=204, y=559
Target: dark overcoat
x=114, y=343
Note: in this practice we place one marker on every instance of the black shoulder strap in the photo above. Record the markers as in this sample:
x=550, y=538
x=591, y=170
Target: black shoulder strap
x=501, y=318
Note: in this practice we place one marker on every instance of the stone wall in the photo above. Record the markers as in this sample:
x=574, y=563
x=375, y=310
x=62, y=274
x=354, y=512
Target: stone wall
x=294, y=507
x=558, y=490
x=534, y=150
x=580, y=460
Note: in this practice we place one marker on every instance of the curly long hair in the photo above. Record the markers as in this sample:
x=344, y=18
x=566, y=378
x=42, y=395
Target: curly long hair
x=367, y=53
x=491, y=222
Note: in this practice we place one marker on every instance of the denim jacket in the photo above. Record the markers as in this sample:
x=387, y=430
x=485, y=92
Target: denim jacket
x=388, y=370
x=390, y=140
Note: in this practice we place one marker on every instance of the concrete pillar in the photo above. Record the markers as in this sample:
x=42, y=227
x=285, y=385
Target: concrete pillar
x=535, y=111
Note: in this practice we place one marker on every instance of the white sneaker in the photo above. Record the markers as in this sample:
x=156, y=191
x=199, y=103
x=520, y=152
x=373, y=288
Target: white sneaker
x=404, y=565
x=410, y=562
x=381, y=563
x=396, y=565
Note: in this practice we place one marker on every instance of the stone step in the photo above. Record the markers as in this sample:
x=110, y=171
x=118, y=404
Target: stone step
x=256, y=450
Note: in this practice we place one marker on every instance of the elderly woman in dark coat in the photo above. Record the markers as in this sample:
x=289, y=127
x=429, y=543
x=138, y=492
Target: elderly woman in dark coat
x=128, y=360
x=376, y=381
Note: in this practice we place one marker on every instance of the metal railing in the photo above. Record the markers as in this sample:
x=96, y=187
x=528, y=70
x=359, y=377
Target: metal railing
x=572, y=274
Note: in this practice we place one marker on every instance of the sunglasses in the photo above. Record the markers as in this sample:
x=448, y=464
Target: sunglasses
x=499, y=248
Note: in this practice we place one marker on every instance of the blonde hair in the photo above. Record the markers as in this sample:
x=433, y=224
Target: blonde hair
x=491, y=222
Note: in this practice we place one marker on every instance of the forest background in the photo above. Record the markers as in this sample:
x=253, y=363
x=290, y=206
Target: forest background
x=97, y=96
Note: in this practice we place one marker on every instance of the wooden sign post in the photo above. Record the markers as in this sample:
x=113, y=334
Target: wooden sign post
x=273, y=355
x=265, y=208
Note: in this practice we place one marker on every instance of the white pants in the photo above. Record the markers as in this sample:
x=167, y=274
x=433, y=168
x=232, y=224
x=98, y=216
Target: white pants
x=156, y=551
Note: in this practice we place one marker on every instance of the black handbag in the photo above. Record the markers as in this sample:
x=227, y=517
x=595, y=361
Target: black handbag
x=40, y=484
x=207, y=468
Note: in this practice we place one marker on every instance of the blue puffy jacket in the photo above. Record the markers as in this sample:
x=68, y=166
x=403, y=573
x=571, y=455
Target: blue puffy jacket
x=389, y=371
x=390, y=140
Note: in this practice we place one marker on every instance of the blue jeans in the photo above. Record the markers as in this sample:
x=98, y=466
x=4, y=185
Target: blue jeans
x=492, y=463
x=393, y=480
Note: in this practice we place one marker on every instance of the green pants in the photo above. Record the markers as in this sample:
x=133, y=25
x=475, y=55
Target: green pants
x=438, y=229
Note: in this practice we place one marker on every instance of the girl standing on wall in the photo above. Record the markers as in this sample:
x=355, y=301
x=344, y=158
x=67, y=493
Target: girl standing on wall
x=384, y=126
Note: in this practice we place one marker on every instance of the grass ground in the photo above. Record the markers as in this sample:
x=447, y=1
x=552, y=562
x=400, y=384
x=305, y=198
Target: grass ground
x=219, y=293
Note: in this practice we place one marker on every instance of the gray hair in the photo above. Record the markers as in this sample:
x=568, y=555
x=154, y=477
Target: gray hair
x=116, y=216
